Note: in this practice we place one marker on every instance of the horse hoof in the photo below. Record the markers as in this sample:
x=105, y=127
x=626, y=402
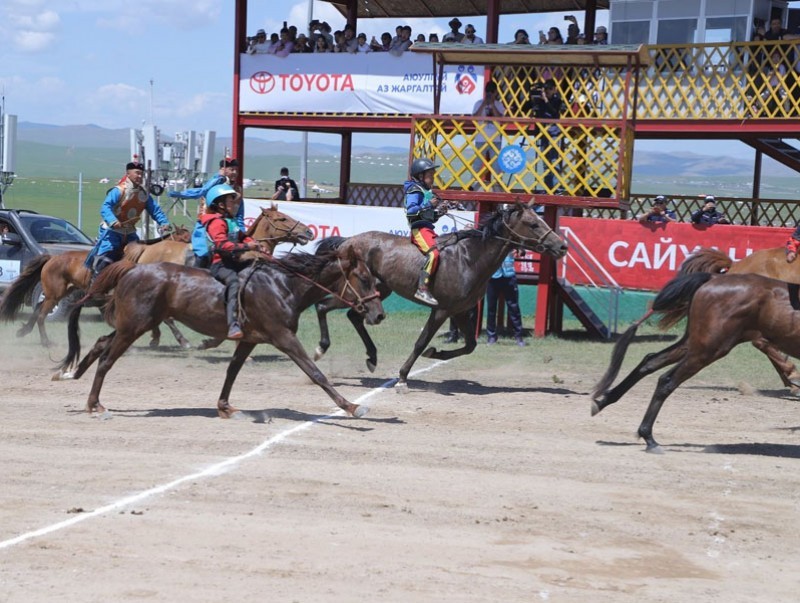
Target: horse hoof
x=318, y=353
x=103, y=416
x=429, y=352
x=595, y=408
x=63, y=376
x=401, y=387
x=186, y=345
x=794, y=391
x=227, y=412
x=654, y=449
x=360, y=411
x=371, y=366
x=154, y=343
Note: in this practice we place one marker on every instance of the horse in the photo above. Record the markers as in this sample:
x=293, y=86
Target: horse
x=467, y=260
x=769, y=262
x=60, y=275
x=722, y=313
x=273, y=295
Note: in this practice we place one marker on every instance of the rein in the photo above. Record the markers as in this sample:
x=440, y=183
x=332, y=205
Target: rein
x=280, y=229
x=538, y=246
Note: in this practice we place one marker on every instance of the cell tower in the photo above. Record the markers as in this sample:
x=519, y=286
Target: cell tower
x=8, y=143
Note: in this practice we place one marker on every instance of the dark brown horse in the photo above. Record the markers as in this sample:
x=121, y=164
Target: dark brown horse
x=273, y=295
x=766, y=262
x=467, y=261
x=66, y=274
x=722, y=313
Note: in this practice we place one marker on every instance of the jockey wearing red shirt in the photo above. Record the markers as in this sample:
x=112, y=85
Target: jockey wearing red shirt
x=229, y=242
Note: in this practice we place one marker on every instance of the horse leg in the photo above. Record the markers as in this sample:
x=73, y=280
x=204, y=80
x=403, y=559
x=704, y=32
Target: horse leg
x=466, y=324
x=786, y=369
x=324, y=335
x=182, y=341
x=112, y=350
x=288, y=343
x=99, y=347
x=372, y=352
x=208, y=344
x=240, y=354
x=155, y=337
x=649, y=364
x=41, y=316
x=435, y=320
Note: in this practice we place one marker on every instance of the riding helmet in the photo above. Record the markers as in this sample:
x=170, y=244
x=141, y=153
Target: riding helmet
x=423, y=164
x=215, y=193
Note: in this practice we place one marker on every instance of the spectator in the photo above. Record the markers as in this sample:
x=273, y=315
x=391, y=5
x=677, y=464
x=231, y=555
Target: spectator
x=581, y=41
x=453, y=35
x=433, y=38
x=419, y=38
x=708, y=214
x=504, y=281
x=325, y=32
x=362, y=45
x=339, y=43
x=384, y=45
x=322, y=45
x=404, y=43
x=302, y=44
x=350, y=41
x=546, y=103
x=4, y=230
x=601, y=36
x=292, y=33
x=470, y=37
x=398, y=33
x=285, y=45
x=573, y=31
x=285, y=187
x=521, y=37
x=658, y=212
x=485, y=142
x=258, y=44
x=776, y=32
x=553, y=36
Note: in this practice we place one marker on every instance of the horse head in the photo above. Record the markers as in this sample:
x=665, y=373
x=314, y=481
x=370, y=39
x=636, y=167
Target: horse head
x=273, y=226
x=522, y=225
x=181, y=234
x=360, y=286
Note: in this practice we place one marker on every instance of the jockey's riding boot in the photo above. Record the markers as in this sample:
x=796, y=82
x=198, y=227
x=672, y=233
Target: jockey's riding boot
x=423, y=294
x=99, y=263
x=235, y=331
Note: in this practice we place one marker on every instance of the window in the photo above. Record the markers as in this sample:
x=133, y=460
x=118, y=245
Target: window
x=631, y=32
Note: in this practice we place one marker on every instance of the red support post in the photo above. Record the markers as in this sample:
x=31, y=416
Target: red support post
x=546, y=294
x=492, y=21
x=237, y=130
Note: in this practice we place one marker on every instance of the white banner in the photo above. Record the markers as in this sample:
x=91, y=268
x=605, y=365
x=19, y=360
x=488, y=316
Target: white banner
x=376, y=82
x=328, y=220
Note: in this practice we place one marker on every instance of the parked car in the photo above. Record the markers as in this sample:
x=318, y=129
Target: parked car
x=26, y=234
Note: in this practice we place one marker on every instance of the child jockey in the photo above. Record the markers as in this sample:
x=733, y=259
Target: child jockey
x=229, y=243
x=422, y=210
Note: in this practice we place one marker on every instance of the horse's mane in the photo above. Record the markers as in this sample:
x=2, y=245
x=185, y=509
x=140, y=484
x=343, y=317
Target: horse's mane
x=330, y=244
x=306, y=264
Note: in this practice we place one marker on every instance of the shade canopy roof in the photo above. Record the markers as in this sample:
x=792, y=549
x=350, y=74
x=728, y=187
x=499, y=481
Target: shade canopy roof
x=459, y=8
x=619, y=55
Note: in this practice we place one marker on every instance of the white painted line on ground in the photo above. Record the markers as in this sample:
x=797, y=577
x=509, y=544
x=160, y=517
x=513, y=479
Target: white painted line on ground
x=212, y=471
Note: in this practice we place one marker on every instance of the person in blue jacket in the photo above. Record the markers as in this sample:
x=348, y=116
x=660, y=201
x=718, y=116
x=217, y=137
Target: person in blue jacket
x=121, y=211
x=228, y=174
x=504, y=281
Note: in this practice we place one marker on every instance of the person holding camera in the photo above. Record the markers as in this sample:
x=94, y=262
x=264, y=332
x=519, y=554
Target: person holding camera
x=708, y=214
x=659, y=212
x=546, y=103
x=258, y=44
x=286, y=188
x=485, y=138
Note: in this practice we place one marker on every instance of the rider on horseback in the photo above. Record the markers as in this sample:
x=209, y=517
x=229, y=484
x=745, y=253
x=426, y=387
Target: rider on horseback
x=423, y=208
x=792, y=245
x=229, y=242
x=121, y=210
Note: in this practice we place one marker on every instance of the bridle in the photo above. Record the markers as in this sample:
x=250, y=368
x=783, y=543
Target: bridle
x=537, y=245
x=279, y=228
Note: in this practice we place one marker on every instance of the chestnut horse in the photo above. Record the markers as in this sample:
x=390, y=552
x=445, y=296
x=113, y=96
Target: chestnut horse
x=273, y=296
x=722, y=313
x=60, y=275
x=467, y=261
x=766, y=262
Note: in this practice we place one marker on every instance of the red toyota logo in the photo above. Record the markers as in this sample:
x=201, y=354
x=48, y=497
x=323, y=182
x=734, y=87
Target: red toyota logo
x=262, y=82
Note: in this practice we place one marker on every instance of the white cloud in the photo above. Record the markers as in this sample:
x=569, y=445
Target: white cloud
x=27, y=26
x=178, y=14
x=32, y=41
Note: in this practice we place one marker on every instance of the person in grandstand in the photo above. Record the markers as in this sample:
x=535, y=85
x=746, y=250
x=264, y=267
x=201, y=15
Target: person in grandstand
x=708, y=214
x=659, y=213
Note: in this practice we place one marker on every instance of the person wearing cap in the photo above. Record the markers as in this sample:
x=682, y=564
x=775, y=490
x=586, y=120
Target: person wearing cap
x=362, y=45
x=423, y=208
x=601, y=36
x=708, y=214
x=658, y=212
x=469, y=35
x=259, y=43
x=228, y=174
x=121, y=211
x=453, y=35
x=229, y=243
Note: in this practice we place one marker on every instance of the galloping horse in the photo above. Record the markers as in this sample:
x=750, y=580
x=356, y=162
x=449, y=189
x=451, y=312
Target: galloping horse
x=722, y=312
x=766, y=262
x=273, y=295
x=62, y=274
x=467, y=260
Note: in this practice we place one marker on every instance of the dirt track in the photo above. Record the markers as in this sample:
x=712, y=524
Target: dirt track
x=489, y=481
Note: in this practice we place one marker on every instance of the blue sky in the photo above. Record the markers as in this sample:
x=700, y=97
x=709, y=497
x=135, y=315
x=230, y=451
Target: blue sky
x=86, y=61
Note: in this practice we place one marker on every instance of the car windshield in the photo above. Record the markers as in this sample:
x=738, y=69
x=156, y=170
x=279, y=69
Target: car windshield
x=53, y=230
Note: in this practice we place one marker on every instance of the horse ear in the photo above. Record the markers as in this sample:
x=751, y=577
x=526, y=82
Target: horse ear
x=273, y=207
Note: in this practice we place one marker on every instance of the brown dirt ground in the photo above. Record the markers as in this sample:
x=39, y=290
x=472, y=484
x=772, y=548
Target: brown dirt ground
x=485, y=482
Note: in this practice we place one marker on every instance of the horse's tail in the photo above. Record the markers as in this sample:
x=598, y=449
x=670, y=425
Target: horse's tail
x=73, y=340
x=617, y=356
x=21, y=288
x=109, y=278
x=330, y=244
x=675, y=299
x=133, y=251
x=706, y=260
